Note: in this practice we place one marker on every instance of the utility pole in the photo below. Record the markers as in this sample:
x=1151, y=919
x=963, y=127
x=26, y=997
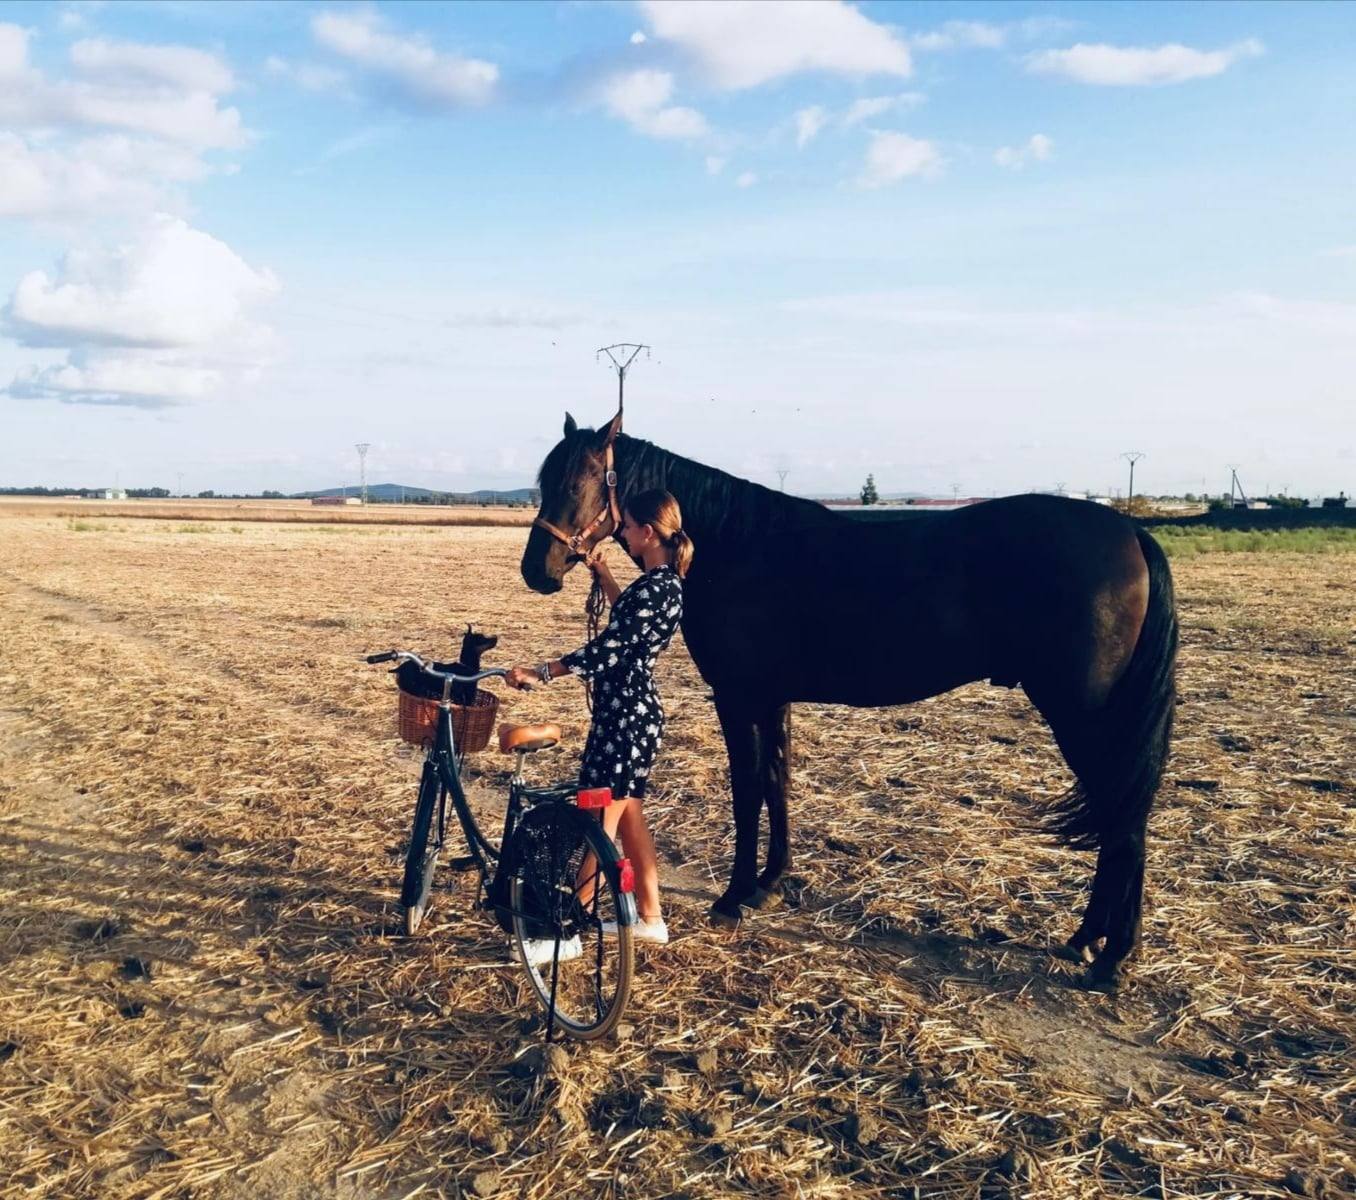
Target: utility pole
x=622, y=361
x=1132, y=457
x=181, y=483
x=363, y=448
x=782, y=476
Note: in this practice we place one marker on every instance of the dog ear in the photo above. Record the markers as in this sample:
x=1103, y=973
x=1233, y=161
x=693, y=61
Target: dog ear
x=570, y=426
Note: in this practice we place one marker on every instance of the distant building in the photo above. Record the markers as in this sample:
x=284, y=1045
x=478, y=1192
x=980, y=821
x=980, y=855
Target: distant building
x=336, y=500
x=110, y=494
x=931, y=504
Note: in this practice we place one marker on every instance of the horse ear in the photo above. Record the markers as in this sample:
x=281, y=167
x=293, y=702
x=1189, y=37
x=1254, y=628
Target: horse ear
x=613, y=428
x=570, y=426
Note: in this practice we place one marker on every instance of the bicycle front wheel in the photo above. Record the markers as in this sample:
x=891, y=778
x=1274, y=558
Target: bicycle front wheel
x=571, y=922
x=422, y=856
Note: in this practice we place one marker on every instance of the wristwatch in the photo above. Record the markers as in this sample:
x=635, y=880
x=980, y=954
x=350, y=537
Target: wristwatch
x=544, y=670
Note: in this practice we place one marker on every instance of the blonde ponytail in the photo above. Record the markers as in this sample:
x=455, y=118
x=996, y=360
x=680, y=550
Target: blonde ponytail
x=682, y=552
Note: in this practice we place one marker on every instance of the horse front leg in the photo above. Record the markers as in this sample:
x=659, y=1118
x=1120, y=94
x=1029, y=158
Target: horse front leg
x=774, y=770
x=741, y=743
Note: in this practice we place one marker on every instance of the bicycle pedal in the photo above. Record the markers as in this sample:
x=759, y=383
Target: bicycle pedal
x=465, y=863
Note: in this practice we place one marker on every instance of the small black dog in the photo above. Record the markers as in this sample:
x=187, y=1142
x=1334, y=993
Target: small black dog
x=473, y=645
x=411, y=679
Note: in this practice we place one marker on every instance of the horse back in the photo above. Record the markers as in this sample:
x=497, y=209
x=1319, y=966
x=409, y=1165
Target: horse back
x=890, y=611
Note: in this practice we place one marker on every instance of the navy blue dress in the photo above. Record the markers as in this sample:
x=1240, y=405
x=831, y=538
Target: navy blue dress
x=628, y=720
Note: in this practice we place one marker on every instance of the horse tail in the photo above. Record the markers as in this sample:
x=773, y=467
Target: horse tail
x=1119, y=751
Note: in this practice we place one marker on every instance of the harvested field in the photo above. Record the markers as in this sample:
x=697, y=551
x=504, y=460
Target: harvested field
x=203, y=991
x=287, y=512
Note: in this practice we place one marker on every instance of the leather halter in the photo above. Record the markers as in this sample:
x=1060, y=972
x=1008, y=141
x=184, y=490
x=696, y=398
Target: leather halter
x=575, y=541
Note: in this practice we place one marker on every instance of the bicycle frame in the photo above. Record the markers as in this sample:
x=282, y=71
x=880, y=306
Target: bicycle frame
x=442, y=758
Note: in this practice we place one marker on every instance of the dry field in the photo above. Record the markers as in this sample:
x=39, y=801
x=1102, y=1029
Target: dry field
x=273, y=511
x=203, y=992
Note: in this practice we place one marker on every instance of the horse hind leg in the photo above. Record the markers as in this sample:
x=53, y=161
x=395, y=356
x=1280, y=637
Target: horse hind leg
x=1110, y=929
x=774, y=776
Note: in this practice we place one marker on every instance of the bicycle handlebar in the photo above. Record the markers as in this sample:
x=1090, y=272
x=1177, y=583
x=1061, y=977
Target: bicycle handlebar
x=423, y=665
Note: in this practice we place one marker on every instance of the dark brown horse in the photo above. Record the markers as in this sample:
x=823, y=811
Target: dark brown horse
x=1066, y=599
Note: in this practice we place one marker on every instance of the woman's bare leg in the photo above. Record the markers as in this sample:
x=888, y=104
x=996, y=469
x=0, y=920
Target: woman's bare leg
x=639, y=845
x=627, y=817
x=612, y=816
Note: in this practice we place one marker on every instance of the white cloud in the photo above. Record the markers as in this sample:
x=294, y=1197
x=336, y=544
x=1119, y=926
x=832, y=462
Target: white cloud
x=132, y=379
x=161, y=318
x=746, y=180
x=308, y=75
x=958, y=34
x=1038, y=148
x=181, y=67
x=1340, y=252
x=640, y=98
x=131, y=123
x=125, y=86
x=873, y=106
x=809, y=121
x=113, y=173
x=423, y=73
x=744, y=43
x=512, y=317
x=1135, y=66
x=638, y=38
x=715, y=164
x=895, y=156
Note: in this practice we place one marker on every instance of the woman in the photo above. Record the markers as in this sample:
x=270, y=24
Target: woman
x=628, y=720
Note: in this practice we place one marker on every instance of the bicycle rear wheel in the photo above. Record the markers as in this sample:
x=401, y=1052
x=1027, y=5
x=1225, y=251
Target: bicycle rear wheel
x=422, y=856
x=554, y=902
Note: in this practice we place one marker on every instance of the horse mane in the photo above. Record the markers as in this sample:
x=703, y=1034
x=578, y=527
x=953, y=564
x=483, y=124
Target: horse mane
x=713, y=501
x=720, y=505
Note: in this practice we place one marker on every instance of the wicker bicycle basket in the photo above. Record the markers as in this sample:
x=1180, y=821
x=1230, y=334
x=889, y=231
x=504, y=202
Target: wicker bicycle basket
x=472, y=724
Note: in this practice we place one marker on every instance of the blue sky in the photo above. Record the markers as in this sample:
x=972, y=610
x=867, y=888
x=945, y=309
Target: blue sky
x=983, y=246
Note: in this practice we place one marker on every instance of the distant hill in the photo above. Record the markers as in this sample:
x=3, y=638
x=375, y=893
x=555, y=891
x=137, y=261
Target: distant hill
x=393, y=493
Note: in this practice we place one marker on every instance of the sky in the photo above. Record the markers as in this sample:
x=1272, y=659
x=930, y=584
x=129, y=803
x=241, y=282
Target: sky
x=975, y=247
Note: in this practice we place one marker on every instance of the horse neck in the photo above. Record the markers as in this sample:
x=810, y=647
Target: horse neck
x=721, y=512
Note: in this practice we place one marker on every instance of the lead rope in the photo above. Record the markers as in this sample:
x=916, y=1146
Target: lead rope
x=593, y=611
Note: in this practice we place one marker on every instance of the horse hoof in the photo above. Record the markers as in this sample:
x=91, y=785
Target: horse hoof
x=765, y=901
x=1083, y=953
x=720, y=919
x=1104, y=976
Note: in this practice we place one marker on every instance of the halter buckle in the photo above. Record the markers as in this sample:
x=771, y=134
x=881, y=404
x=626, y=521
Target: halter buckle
x=610, y=478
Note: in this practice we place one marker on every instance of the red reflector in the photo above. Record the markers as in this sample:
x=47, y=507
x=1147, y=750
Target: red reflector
x=626, y=877
x=595, y=797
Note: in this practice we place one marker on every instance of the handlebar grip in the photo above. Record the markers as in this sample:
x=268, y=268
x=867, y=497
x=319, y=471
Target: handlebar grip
x=380, y=658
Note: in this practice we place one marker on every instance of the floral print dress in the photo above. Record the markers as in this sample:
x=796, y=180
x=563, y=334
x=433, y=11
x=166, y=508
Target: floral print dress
x=628, y=720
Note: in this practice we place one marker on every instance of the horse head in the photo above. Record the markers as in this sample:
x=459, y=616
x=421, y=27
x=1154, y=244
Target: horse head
x=578, y=507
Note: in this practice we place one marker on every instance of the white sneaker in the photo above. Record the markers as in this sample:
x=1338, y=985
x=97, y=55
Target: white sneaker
x=542, y=951
x=646, y=929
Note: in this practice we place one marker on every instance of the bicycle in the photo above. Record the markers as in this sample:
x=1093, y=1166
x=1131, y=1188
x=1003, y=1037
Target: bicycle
x=556, y=880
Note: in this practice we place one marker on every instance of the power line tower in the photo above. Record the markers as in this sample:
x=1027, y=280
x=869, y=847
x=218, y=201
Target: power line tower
x=363, y=448
x=1237, y=498
x=1132, y=457
x=782, y=476
x=622, y=361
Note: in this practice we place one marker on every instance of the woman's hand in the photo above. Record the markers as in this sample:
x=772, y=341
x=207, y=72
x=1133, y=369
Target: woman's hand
x=597, y=562
x=522, y=678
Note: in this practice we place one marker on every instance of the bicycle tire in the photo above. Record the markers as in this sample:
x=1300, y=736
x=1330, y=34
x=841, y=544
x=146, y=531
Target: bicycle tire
x=420, y=859
x=584, y=997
